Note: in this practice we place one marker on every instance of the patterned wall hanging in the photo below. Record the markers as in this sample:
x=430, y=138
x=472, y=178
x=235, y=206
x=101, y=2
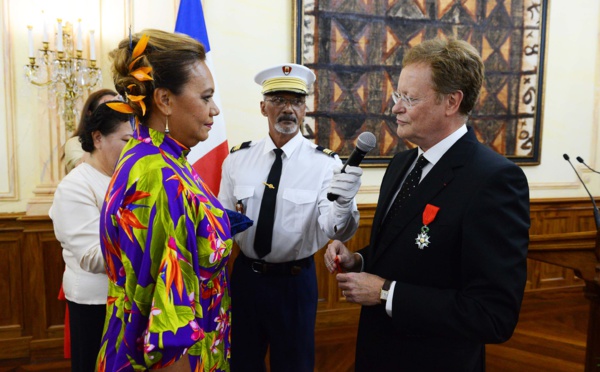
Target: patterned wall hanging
x=355, y=47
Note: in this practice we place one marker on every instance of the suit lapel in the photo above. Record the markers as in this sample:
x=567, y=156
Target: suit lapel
x=434, y=183
x=388, y=189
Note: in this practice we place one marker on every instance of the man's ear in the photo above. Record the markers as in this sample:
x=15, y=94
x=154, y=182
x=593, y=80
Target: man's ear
x=453, y=101
x=263, y=108
x=162, y=100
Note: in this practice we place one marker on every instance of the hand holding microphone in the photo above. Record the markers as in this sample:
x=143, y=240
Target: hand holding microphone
x=345, y=185
x=346, y=180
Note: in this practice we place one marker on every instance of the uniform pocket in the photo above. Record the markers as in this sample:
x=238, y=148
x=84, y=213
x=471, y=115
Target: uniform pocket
x=298, y=205
x=244, y=194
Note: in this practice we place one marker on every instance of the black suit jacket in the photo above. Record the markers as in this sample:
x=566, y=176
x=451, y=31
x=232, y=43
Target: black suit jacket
x=465, y=289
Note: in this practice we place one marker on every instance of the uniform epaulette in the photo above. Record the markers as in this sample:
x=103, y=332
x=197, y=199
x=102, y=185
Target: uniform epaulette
x=243, y=145
x=326, y=151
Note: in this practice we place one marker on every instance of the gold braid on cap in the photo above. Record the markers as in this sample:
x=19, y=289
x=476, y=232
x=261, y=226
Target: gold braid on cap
x=140, y=74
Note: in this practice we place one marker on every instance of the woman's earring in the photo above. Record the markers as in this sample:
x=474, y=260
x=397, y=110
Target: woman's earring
x=167, y=125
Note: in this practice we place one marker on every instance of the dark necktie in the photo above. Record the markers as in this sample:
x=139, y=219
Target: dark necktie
x=266, y=215
x=409, y=185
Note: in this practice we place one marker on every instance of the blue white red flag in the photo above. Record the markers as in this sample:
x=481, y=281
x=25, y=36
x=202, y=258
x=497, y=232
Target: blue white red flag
x=206, y=157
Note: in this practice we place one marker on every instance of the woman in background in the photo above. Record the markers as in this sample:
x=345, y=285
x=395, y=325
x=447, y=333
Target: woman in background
x=74, y=154
x=75, y=214
x=165, y=236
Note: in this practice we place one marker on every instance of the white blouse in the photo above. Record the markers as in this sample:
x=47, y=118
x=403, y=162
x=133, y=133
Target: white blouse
x=75, y=214
x=73, y=153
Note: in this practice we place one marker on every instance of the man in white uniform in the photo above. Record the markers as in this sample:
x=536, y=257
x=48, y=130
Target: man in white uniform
x=281, y=183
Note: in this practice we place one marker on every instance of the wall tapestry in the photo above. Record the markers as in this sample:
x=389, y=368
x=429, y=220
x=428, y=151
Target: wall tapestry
x=355, y=47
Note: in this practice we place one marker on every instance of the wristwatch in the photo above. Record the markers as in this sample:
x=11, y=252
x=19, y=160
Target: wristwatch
x=383, y=295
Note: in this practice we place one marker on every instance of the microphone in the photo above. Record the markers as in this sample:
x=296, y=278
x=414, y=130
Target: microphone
x=596, y=214
x=366, y=142
x=579, y=159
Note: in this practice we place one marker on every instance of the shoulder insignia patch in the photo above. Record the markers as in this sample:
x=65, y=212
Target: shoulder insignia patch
x=243, y=145
x=326, y=151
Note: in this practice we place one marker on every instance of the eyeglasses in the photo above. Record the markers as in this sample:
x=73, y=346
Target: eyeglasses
x=407, y=101
x=281, y=102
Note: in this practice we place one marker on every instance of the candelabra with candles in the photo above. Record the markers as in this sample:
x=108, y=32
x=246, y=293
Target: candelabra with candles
x=64, y=71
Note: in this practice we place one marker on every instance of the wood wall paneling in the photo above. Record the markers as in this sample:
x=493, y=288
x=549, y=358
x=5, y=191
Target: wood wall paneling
x=52, y=274
x=31, y=318
x=12, y=342
x=10, y=267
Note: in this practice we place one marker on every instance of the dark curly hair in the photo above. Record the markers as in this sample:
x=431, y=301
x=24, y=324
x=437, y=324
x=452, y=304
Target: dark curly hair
x=103, y=119
x=89, y=106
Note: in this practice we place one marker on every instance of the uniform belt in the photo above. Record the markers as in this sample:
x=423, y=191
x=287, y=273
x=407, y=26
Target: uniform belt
x=284, y=268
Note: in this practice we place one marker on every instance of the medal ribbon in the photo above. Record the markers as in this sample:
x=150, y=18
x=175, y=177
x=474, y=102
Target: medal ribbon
x=429, y=214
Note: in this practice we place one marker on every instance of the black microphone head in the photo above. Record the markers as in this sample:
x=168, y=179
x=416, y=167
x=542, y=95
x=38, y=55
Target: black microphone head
x=579, y=159
x=566, y=156
x=366, y=141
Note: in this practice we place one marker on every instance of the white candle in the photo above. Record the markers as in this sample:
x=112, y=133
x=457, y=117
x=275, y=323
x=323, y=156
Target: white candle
x=30, y=36
x=92, y=46
x=45, y=30
x=79, y=37
x=59, y=36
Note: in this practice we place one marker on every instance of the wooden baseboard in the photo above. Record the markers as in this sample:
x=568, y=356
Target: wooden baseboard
x=11, y=348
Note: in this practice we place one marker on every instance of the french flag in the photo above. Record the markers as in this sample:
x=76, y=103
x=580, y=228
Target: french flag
x=207, y=156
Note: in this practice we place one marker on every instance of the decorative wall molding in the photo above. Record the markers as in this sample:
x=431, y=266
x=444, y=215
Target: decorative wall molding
x=555, y=185
x=8, y=157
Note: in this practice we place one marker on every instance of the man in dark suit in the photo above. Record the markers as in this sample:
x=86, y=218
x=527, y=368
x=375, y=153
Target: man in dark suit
x=445, y=269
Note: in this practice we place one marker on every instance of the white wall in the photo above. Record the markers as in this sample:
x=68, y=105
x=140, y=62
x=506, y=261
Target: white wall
x=247, y=36
x=571, y=117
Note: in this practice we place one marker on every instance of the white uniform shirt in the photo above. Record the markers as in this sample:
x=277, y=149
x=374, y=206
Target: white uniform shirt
x=304, y=219
x=75, y=214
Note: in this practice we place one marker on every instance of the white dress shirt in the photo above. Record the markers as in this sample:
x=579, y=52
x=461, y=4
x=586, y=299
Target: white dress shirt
x=75, y=214
x=304, y=219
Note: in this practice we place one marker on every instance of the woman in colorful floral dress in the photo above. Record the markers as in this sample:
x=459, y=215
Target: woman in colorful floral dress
x=165, y=237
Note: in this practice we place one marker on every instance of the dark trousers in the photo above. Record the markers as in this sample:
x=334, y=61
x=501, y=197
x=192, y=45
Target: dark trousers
x=275, y=311
x=87, y=323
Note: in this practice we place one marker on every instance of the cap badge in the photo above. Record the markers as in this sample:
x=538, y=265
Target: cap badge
x=286, y=70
